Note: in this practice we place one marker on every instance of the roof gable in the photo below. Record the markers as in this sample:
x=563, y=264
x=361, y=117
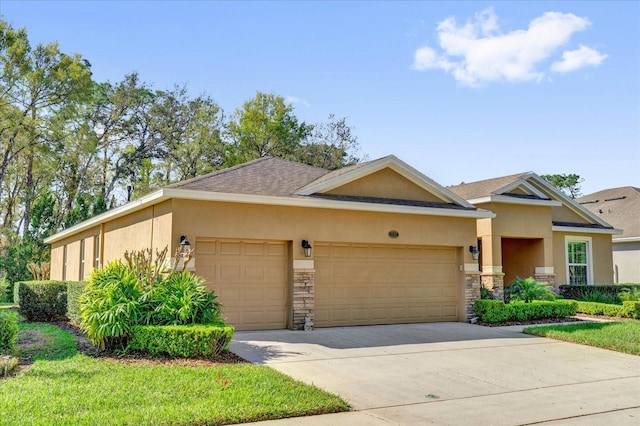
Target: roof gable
x=385, y=178
x=530, y=188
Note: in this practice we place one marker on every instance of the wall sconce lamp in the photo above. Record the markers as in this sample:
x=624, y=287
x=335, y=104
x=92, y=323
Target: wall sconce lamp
x=475, y=253
x=185, y=246
x=307, y=248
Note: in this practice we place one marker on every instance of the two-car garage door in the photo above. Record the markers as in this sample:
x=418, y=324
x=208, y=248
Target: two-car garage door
x=384, y=284
x=355, y=284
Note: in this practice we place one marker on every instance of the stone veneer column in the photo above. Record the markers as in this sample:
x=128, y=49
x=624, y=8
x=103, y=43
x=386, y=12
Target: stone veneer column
x=549, y=279
x=494, y=282
x=303, y=299
x=471, y=292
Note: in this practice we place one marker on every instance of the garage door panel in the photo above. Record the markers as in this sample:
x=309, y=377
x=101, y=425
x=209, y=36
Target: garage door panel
x=391, y=284
x=250, y=279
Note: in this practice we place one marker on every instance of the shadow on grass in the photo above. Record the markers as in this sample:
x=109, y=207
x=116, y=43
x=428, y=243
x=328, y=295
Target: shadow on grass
x=44, y=342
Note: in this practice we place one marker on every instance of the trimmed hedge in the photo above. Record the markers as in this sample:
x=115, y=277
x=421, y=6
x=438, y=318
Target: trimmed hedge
x=74, y=291
x=42, y=300
x=186, y=341
x=8, y=331
x=626, y=310
x=577, y=292
x=494, y=311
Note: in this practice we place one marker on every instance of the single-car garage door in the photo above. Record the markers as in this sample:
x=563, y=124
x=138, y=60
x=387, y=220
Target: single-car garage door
x=250, y=279
x=383, y=284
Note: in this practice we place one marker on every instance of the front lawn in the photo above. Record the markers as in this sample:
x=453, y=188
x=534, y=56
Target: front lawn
x=618, y=336
x=64, y=387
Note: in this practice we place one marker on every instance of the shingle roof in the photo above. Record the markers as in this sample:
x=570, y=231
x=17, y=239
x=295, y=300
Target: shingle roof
x=483, y=188
x=264, y=176
x=619, y=207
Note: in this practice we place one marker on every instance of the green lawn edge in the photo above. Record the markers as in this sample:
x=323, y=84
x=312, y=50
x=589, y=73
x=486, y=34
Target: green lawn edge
x=64, y=387
x=622, y=336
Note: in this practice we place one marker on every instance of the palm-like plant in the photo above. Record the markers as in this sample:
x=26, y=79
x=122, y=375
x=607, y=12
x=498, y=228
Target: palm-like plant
x=527, y=290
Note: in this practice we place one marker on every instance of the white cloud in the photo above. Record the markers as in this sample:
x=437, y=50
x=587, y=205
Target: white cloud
x=576, y=59
x=478, y=52
x=294, y=100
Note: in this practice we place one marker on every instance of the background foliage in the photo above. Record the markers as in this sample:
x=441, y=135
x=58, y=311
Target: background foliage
x=70, y=146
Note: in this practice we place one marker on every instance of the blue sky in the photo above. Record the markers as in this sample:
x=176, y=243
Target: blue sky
x=462, y=91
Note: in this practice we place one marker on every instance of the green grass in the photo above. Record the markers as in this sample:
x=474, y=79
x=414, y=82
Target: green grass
x=618, y=336
x=67, y=388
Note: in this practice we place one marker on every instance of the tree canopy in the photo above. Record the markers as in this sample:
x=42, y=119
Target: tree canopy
x=567, y=183
x=70, y=145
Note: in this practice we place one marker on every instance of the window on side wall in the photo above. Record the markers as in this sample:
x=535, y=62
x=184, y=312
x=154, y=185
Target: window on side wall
x=578, y=251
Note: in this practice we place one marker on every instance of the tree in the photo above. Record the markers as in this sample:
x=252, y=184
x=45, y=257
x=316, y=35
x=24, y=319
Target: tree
x=569, y=184
x=265, y=126
x=332, y=145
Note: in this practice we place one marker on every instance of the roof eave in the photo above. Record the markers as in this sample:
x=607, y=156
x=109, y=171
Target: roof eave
x=131, y=207
x=513, y=200
x=584, y=230
x=304, y=201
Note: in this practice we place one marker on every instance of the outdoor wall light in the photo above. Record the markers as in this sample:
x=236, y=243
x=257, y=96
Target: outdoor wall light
x=307, y=248
x=185, y=246
x=475, y=253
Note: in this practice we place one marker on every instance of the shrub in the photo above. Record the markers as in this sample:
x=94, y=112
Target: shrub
x=74, y=291
x=42, y=300
x=600, y=297
x=181, y=298
x=8, y=331
x=485, y=293
x=580, y=292
x=629, y=294
x=110, y=305
x=5, y=285
x=494, y=311
x=527, y=290
x=120, y=296
x=628, y=309
x=181, y=340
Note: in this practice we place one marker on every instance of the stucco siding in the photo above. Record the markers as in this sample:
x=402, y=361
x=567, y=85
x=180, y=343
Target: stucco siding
x=73, y=255
x=626, y=262
x=564, y=214
x=385, y=184
x=235, y=220
x=601, y=257
x=521, y=221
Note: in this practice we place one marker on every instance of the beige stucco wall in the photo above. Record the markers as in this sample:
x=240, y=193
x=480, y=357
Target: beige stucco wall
x=73, y=255
x=515, y=221
x=385, y=184
x=601, y=253
x=564, y=214
x=197, y=219
x=626, y=262
x=147, y=228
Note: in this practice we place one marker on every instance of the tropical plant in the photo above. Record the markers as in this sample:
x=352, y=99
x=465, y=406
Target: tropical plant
x=111, y=304
x=527, y=290
x=140, y=292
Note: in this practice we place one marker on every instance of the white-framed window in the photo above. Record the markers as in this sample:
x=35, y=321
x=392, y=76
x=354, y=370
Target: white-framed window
x=579, y=260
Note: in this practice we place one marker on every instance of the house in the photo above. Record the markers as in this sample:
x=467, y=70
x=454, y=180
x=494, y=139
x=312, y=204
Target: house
x=282, y=242
x=537, y=231
x=621, y=208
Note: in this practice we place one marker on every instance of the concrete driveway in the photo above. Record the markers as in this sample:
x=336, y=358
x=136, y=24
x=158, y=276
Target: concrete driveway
x=452, y=374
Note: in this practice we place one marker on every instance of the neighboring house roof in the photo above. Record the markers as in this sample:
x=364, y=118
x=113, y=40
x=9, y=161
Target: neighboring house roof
x=618, y=206
x=529, y=188
x=274, y=181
